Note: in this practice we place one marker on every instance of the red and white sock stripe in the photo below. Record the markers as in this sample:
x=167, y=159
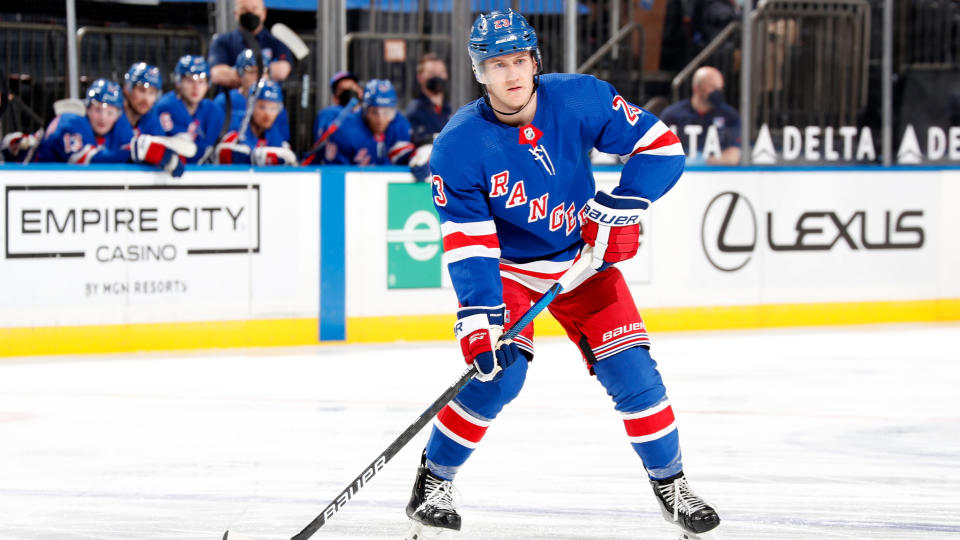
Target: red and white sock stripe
x=650, y=424
x=461, y=426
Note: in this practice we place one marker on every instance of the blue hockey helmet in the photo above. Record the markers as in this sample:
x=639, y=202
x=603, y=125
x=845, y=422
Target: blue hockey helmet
x=104, y=91
x=379, y=93
x=247, y=59
x=190, y=64
x=498, y=33
x=270, y=91
x=144, y=74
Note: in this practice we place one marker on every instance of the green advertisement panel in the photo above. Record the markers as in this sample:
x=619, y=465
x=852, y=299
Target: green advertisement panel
x=414, y=249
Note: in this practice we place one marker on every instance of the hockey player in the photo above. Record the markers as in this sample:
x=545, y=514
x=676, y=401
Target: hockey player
x=187, y=110
x=263, y=144
x=377, y=135
x=246, y=68
x=103, y=135
x=142, y=85
x=513, y=185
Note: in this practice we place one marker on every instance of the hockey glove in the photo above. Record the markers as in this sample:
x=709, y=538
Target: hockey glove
x=16, y=142
x=479, y=330
x=420, y=163
x=612, y=226
x=273, y=155
x=154, y=151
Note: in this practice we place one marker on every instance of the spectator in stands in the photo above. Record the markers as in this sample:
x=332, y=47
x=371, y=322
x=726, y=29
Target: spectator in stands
x=706, y=114
x=429, y=111
x=262, y=143
x=246, y=68
x=103, y=135
x=377, y=135
x=224, y=48
x=344, y=86
x=141, y=88
x=187, y=110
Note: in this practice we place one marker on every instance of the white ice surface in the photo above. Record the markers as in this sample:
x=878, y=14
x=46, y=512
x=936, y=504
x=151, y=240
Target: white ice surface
x=836, y=433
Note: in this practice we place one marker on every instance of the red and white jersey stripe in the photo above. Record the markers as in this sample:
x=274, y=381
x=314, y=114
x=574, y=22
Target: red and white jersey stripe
x=539, y=276
x=399, y=150
x=650, y=424
x=85, y=154
x=474, y=239
x=657, y=141
x=462, y=427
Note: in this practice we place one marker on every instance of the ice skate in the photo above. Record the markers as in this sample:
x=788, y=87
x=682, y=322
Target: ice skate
x=682, y=507
x=432, y=510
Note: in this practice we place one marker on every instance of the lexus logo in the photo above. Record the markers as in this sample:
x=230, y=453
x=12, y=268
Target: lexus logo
x=729, y=231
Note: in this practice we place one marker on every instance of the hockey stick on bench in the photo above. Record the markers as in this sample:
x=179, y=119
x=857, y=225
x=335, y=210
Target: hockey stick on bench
x=564, y=283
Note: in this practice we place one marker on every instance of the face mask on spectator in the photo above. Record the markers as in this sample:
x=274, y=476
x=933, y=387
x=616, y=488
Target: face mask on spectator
x=344, y=97
x=250, y=21
x=715, y=98
x=437, y=84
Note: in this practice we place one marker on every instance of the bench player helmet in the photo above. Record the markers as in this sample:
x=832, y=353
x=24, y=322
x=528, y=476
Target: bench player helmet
x=270, y=91
x=190, y=64
x=106, y=92
x=498, y=33
x=144, y=74
x=247, y=59
x=379, y=93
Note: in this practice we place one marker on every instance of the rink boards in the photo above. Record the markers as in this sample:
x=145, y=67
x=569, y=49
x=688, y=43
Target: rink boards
x=119, y=258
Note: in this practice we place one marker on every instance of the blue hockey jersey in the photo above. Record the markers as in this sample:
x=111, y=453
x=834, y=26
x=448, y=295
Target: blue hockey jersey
x=203, y=125
x=70, y=139
x=238, y=109
x=232, y=150
x=509, y=198
x=149, y=124
x=354, y=144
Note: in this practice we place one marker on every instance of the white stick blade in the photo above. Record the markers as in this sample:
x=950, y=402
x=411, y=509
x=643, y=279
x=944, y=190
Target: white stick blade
x=69, y=105
x=184, y=147
x=290, y=39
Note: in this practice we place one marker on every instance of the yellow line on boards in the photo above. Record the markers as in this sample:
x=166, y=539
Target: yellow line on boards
x=156, y=336
x=292, y=332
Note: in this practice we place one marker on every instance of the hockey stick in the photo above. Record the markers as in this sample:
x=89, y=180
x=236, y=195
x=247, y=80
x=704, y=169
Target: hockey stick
x=565, y=281
x=69, y=105
x=290, y=38
x=334, y=126
x=252, y=93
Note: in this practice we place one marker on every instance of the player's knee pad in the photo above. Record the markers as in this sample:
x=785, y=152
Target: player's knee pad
x=631, y=379
x=487, y=399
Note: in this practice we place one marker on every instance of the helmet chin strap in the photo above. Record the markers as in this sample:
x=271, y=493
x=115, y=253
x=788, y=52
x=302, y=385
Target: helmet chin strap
x=486, y=98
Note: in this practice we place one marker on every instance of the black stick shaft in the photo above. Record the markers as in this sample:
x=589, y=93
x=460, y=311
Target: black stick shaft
x=381, y=460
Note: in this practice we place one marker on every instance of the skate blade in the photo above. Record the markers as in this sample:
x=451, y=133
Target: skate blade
x=419, y=531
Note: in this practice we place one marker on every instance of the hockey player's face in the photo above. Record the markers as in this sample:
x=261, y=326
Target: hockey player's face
x=265, y=113
x=141, y=98
x=102, y=117
x=250, y=76
x=378, y=118
x=193, y=88
x=509, y=79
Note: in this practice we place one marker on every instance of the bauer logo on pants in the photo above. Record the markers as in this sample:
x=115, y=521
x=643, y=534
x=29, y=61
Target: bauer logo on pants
x=414, y=249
